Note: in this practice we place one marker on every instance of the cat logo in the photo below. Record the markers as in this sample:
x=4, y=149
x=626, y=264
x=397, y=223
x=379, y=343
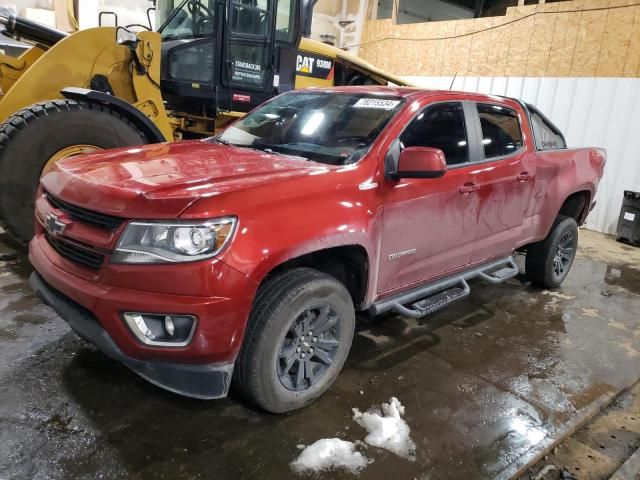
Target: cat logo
x=314, y=66
x=304, y=64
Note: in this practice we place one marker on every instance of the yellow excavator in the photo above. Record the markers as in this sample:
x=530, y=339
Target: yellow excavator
x=208, y=63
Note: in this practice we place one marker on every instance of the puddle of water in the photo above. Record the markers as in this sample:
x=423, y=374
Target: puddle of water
x=623, y=276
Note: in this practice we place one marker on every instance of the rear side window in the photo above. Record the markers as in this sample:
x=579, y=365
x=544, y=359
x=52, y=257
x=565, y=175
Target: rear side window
x=501, y=133
x=440, y=126
x=546, y=136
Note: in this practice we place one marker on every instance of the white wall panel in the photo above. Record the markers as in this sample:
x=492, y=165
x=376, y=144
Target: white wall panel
x=128, y=11
x=601, y=112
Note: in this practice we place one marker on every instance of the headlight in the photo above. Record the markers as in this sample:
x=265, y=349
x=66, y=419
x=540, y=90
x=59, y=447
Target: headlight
x=167, y=242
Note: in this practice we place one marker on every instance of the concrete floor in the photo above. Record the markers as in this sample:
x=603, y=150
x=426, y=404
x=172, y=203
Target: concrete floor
x=488, y=384
x=604, y=447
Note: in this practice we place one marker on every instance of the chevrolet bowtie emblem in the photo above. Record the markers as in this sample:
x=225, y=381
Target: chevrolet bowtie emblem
x=54, y=225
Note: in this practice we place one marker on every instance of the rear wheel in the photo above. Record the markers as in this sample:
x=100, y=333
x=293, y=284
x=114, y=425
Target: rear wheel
x=34, y=139
x=297, y=340
x=548, y=262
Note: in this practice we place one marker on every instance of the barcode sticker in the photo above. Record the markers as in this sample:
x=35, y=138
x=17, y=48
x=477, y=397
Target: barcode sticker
x=629, y=216
x=377, y=103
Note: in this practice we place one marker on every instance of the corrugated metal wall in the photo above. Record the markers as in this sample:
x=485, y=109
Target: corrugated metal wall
x=601, y=112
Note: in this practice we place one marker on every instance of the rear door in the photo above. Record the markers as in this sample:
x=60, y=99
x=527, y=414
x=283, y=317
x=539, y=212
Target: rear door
x=429, y=224
x=504, y=180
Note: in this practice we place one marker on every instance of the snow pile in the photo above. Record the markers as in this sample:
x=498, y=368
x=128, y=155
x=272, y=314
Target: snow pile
x=329, y=453
x=386, y=429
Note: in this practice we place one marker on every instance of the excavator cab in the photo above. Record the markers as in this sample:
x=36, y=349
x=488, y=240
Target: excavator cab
x=208, y=63
x=229, y=55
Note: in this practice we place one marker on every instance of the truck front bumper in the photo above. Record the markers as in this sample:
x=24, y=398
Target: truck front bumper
x=196, y=381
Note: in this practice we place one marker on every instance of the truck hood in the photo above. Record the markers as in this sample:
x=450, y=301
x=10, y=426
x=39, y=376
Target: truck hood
x=160, y=181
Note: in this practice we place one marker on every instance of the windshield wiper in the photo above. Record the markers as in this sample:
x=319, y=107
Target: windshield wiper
x=223, y=142
x=259, y=147
x=269, y=149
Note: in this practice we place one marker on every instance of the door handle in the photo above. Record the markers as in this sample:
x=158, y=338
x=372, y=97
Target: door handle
x=523, y=177
x=468, y=187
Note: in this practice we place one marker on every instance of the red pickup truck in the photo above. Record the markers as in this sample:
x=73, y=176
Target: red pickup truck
x=243, y=258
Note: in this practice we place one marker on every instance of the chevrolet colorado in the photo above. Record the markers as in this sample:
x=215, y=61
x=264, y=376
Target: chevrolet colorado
x=241, y=259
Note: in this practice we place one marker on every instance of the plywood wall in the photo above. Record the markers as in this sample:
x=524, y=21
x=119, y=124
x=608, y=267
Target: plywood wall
x=578, y=38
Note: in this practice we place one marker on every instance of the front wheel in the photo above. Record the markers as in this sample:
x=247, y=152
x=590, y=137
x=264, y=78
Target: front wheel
x=34, y=139
x=548, y=262
x=297, y=340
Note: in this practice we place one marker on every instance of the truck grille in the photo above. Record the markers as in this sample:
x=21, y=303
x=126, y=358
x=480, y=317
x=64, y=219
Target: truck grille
x=76, y=253
x=83, y=215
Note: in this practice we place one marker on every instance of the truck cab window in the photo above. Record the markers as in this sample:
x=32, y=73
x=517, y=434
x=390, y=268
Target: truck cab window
x=501, y=133
x=440, y=126
x=546, y=136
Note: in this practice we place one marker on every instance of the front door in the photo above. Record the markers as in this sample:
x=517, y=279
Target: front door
x=429, y=224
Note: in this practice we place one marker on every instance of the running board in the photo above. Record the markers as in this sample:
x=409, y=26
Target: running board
x=434, y=296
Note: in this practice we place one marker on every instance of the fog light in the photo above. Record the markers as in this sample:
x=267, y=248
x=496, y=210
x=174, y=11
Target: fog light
x=161, y=330
x=169, y=327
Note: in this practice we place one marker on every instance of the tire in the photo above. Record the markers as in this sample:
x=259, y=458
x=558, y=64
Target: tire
x=260, y=373
x=32, y=136
x=541, y=262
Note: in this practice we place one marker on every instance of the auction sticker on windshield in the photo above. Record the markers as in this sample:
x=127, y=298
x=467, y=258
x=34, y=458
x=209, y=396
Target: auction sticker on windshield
x=377, y=103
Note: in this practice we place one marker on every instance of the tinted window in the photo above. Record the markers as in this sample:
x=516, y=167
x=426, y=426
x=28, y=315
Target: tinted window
x=440, y=126
x=247, y=64
x=189, y=19
x=545, y=135
x=284, y=21
x=501, y=134
x=250, y=17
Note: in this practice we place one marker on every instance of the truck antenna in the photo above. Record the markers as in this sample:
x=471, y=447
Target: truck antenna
x=453, y=81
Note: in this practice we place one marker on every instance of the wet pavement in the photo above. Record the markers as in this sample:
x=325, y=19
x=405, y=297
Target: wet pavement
x=601, y=448
x=488, y=384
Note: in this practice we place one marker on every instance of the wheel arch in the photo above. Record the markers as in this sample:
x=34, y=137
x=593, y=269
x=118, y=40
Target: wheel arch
x=122, y=107
x=349, y=264
x=577, y=205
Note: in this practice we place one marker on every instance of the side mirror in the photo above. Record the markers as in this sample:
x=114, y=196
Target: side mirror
x=421, y=162
x=127, y=38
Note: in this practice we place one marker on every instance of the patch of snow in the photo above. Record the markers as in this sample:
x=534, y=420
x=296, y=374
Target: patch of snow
x=329, y=453
x=386, y=428
x=556, y=294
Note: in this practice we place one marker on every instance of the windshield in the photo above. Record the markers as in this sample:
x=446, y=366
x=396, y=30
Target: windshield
x=185, y=19
x=326, y=127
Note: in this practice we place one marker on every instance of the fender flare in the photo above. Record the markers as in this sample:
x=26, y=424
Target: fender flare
x=124, y=108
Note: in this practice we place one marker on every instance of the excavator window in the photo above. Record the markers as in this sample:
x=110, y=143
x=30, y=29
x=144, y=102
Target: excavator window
x=250, y=17
x=284, y=22
x=222, y=54
x=186, y=19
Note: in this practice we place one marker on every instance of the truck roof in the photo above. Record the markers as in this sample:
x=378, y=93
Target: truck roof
x=406, y=92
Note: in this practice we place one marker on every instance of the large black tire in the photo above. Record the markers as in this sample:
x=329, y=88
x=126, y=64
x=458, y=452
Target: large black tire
x=548, y=262
x=282, y=303
x=32, y=136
